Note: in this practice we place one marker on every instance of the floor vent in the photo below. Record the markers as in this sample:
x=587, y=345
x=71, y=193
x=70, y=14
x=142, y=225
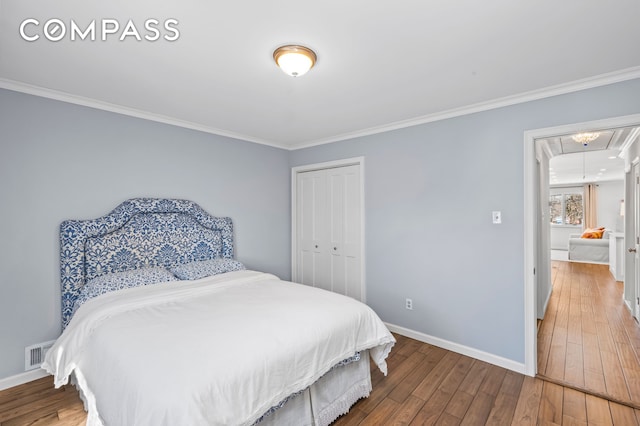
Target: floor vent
x=34, y=355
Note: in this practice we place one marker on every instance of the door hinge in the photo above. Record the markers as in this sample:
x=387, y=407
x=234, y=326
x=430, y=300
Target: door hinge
x=534, y=271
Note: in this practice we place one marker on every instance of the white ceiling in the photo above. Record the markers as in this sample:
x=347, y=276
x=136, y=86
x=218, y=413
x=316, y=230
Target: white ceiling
x=381, y=64
x=597, y=161
x=588, y=167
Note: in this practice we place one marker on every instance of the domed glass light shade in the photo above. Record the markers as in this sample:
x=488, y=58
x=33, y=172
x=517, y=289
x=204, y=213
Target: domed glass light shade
x=294, y=60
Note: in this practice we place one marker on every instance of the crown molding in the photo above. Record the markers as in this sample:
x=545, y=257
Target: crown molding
x=574, y=86
x=625, y=149
x=30, y=89
x=560, y=89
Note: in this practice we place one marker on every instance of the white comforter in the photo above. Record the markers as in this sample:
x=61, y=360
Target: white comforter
x=217, y=351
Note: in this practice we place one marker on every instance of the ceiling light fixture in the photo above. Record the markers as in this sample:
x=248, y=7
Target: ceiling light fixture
x=294, y=60
x=585, y=138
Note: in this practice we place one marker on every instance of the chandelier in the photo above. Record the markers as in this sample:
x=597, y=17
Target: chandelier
x=585, y=138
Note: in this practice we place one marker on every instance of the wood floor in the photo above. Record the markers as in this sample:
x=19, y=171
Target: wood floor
x=588, y=339
x=425, y=385
x=38, y=403
x=429, y=385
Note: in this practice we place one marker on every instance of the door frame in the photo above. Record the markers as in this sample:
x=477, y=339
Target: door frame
x=635, y=170
x=531, y=206
x=294, y=190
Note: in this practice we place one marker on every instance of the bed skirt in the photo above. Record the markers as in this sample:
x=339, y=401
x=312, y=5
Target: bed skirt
x=321, y=403
x=327, y=399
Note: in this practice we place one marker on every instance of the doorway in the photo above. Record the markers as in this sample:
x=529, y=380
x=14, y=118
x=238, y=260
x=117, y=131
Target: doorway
x=534, y=262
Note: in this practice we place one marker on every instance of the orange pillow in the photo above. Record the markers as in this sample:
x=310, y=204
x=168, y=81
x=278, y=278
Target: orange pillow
x=593, y=233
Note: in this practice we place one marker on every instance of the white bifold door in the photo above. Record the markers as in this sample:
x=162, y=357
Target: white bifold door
x=328, y=230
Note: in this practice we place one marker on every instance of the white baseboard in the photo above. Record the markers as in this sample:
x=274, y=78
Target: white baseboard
x=546, y=302
x=22, y=378
x=629, y=306
x=588, y=261
x=518, y=367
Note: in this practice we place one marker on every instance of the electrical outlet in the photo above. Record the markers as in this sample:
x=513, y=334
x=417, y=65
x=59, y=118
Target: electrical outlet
x=409, y=304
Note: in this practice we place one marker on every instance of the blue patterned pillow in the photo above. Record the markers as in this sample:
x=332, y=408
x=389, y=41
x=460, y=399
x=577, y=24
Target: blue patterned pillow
x=206, y=268
x=121, y=280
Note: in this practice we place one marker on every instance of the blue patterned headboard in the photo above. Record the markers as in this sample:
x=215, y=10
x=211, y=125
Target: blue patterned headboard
x=138, y=233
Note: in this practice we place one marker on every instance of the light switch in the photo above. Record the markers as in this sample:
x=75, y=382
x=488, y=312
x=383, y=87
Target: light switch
x=497, y=217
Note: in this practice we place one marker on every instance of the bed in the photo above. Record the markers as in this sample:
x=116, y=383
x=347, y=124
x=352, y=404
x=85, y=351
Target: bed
x=162, y=326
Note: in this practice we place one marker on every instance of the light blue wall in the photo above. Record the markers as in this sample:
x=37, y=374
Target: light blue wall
x=429, y=194
x=430, y=190
x=60, y=161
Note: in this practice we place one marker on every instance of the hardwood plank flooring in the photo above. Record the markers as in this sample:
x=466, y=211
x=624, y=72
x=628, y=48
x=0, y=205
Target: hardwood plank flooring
x=426, y=385
x=588, y=339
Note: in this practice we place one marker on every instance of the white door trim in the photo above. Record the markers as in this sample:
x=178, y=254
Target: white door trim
x=530, y=204
x=322, y=166
x=636, y=231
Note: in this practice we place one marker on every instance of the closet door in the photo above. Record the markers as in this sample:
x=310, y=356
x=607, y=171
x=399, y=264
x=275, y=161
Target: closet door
x=311, y=233
x=344, y=229
x=328, y=217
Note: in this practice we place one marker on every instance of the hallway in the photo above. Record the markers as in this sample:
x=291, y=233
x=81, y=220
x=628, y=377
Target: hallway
x=588, y=339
